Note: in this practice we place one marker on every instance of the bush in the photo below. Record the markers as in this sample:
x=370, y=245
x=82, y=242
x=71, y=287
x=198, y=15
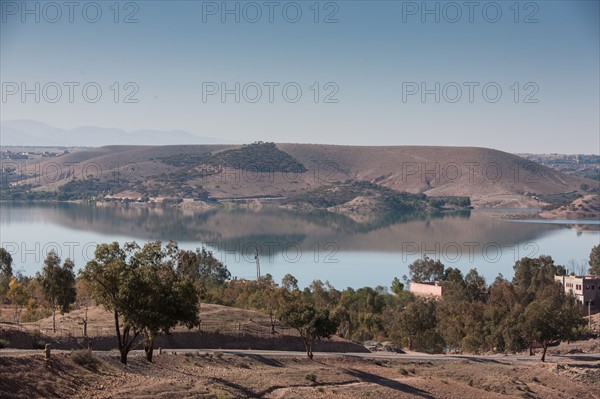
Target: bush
x=85, y=358
x=4, y=343
x=33, y=315
x=38, y=343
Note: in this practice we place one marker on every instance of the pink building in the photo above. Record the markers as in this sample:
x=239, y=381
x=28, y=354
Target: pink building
x=433, y=290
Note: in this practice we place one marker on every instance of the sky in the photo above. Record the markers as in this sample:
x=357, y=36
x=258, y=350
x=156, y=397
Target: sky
x=515, y=76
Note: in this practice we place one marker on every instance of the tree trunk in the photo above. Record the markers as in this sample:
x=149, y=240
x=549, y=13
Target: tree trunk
x=85, y=323
x=530, y=349
x=307, y=346
x=149, y=346
x=123, y=352
x=54, y=319
x=309, y=350
x=272, y=323
x=544, y=353
x=122, y=348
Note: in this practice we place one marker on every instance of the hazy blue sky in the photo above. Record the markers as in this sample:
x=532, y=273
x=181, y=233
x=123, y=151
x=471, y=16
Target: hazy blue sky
x=375, y=61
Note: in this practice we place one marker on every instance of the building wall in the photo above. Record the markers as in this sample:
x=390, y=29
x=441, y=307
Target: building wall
x=424, y=289
x=584, y=288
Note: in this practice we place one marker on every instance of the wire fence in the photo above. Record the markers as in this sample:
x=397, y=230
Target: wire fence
x=245, y=328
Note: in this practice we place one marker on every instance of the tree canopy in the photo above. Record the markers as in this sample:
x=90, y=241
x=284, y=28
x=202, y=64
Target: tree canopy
x=58, y=284
x=143, y=290
x=6, y=272
x=426, y=270
x=594, y=261
x=311, y=323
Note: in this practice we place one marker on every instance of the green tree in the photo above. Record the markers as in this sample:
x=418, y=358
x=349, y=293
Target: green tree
x=203, y=265
x=416, y=325
x=17, y=294
x=109, y=276
x=501, y=315
x=58, y=284
x=397, y=286
x=144, y=291
x=6, y=272
x=312, y=324
x=84, y=300
x=532, y=275
x=289, y=282
x=595, y=261
x=475, y=286
x=209, y=273
x=164, y=298
x=426, y=270
x=323, y=295
x=360, y=312
x=267, y=298
x=553, y=316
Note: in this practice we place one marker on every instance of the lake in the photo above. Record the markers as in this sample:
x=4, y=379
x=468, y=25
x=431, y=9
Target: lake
x=348, y=252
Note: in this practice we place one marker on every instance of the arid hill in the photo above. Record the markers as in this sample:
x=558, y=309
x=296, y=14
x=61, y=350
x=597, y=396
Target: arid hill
x=587, y=207
x=489, y=177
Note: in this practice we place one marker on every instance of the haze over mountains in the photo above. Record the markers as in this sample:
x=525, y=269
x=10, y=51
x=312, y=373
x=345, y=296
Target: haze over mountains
x=25, y=132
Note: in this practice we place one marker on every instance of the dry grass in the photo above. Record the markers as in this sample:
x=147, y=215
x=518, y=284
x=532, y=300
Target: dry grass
x=221, y=327
x=252, y=376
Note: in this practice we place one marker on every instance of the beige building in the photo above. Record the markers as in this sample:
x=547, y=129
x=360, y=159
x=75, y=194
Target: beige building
x=586, y=290
x=433, y=290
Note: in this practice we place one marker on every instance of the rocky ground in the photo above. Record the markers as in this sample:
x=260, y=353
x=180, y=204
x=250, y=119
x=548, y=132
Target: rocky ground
x=218, y=375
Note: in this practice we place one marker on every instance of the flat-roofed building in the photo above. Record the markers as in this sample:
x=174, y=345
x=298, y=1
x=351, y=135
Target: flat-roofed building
x=433, y=290
x=586, y=290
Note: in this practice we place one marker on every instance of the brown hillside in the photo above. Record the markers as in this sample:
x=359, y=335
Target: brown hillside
x=491, y=178
x=587, y=207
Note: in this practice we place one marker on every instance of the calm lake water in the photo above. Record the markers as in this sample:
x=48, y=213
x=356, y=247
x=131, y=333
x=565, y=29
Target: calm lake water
x=316, y=245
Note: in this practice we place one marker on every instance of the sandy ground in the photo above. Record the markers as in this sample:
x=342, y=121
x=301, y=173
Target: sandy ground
x=206, y=374
x=217, y=375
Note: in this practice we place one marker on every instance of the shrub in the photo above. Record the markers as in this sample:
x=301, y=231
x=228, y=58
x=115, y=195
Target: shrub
x=4, y=343
x=38, y=343
x=85, y=358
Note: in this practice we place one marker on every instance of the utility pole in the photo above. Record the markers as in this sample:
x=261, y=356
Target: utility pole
x=256, y=257
x=590, y=314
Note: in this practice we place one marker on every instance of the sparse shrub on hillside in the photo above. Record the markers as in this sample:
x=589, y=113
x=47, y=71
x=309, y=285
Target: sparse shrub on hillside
x=35, y=314
x=38, y=342
x=258, y=157
x=389, y=200
x=183, y=160
x=85, y=358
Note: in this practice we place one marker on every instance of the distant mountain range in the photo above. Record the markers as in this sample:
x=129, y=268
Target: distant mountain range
x=33, y=133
